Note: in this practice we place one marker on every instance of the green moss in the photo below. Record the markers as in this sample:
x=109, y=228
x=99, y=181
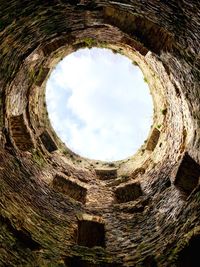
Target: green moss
x=32, y=75
x=134, y=63
x=198, y=196
x=65, y=152
x=159, y=126
x=38, y=158
x=35, y=75
x=145, y=80
x=184, y=242
x=39, y=74
x=90, y=42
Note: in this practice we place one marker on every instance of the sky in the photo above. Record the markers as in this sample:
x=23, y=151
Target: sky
x=99, y=104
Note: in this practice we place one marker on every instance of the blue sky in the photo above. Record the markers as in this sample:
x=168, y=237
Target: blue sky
x=99, y=104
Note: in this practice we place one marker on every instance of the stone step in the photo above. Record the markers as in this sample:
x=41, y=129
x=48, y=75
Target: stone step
x=70, y=187
x=119, y=180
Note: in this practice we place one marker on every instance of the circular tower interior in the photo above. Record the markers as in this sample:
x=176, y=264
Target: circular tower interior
x=61, y=209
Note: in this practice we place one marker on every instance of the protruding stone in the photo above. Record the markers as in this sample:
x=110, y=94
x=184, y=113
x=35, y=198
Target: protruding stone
x=128, y=192
x=72, y=188
x=20, y=133
x=119, y=180
x=153, y=140
x=48, y=141
x=55, y=44
x=140, y=27
x=91, y=233
x=106, y=173
x=187, y=175
x=137, y=172
x=42, y=76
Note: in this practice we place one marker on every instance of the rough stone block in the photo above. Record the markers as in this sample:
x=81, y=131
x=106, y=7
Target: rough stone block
x=55, y=44
x=106, y=173
x=128, y=192
x=137, y=172
x=91, y=233
x=147, y=32
x=48, y=142
x=20, y=133
x=187, y=175
x=153, y=140
x=69, y=187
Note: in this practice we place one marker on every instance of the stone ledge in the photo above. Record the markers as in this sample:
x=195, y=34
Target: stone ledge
x=106, y=173
x=70, y=187
x=128, y=192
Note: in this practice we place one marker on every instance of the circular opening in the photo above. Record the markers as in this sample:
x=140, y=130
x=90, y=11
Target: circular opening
x=99, y=104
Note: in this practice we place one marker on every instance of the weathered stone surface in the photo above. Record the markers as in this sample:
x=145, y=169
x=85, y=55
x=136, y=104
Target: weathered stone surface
x=188, y=174
x=43, y=72
x=20, y=133
x=157, y=36
x=106, y=173
x=48, y=142
x=137, y=172
x=118, y=180
x=153, y=140
x=70, y=187
x=128, y=192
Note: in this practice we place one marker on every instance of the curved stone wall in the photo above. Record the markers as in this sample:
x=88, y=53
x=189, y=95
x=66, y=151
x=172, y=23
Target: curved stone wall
x=58, y=209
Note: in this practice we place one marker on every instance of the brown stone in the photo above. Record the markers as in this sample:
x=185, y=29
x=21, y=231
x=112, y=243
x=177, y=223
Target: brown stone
x=128, y=192
x=20, y=133
x=163, y=38
x=137, y=172
x=48, y=141
x=153, y=140
x=106, y=173
x=42, y=76
x=71, y=188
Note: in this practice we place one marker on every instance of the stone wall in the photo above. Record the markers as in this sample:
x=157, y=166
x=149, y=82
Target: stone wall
x=40, y=222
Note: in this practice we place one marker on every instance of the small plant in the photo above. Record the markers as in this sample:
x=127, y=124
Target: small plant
x=135, y=63
x=145, y=80
x=89, y=42
x=38, y=158
x=159, y=126
x=65, y=152
x=164, y=111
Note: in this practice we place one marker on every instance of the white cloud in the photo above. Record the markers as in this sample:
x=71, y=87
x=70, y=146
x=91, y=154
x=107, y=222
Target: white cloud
x=99, y=104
